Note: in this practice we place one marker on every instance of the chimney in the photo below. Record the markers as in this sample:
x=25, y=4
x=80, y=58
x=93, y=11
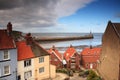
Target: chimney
x=71, y=46
x=91, y=47
x=29, y=39
x=53, y=47
x=9, y=28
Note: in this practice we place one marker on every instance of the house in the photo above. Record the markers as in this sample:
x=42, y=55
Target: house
x=55, y=57
x=109, y=64
x=72, y=58
x=8, y=54
x=33, y=61
x=89, y=57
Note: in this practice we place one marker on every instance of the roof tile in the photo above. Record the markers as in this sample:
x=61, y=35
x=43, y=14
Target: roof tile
x=6, y=41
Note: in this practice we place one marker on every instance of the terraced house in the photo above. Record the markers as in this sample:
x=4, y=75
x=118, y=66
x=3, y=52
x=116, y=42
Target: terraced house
x=55, y=57
x=90, y=57
x=72, y=58
x=109, y=66
x=33, y=61
x=8, y=55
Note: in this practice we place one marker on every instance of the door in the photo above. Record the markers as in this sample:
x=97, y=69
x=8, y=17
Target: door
x=91, y=66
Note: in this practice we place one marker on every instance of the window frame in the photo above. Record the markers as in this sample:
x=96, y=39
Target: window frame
x=7, y=54
x=27, y=63
x=4, y=70
x=41, y=69
x=41, y=59
x=28, y=73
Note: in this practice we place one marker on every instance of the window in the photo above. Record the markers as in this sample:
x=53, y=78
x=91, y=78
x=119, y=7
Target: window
x=28, y=74
x=87, y=65
x=6, y=55
x=41, y=69
x=6, y=70
x=41, y=59
x=27, y=63
x=55, y=59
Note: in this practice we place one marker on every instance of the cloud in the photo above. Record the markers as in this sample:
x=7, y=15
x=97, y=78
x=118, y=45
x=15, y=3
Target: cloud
x=29, y=14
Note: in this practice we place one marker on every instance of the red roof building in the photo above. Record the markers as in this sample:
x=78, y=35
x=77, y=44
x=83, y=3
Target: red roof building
x=6, y=41
x=89, y=57
x=29, y=49
x=24, y=51
x=55, y=57
x=72, y=58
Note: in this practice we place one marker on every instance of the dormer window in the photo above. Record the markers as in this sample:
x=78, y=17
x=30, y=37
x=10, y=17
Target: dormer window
x=6, y=55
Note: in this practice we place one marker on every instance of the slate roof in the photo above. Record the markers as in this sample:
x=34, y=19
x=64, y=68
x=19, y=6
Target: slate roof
x=116, y=27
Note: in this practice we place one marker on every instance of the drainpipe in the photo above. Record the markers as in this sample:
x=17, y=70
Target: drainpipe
x=49, y=69
x=16, y=74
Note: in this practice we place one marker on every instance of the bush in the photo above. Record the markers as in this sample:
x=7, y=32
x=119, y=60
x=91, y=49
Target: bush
x=62, y=71
x=93, y=76
x=86, y=72
x=70, y=73
x=81, y=74
x=97, y=78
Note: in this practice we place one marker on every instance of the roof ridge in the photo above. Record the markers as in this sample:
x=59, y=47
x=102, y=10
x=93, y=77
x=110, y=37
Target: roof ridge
x=115, y=29
x=57, y=55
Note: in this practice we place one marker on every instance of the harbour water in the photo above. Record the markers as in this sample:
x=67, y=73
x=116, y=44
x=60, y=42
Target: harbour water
x=62, y=45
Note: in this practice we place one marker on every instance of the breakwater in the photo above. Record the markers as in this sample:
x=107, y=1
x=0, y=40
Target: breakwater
x=90, y=36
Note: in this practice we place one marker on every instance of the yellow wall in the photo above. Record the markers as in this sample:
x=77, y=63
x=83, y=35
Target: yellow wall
x=21, y=69
x=47, y=68
x=53, y=71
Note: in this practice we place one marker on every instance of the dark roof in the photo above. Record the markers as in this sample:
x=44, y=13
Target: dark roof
x=38, y=50
x=6, y=40
x=116, y=27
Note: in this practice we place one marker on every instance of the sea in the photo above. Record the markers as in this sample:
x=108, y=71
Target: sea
x=63, y=45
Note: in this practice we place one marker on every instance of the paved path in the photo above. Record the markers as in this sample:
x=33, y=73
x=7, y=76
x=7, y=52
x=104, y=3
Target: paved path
x=76, y=77
x=60, y=76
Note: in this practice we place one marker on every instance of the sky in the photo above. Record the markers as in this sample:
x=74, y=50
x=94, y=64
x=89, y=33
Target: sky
x=63, y=16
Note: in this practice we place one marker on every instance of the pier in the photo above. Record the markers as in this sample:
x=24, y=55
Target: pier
x=90, y=36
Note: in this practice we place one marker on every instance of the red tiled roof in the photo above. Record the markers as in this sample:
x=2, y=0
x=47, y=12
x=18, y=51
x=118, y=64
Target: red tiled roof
x=69, y=53
x=6, y=41
x=24, y=51
x=93, y=51
x=90, y=59
x=56, y=52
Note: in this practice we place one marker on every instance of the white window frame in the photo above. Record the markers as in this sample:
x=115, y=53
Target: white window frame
x=28, y=74
x=4, y=70
x=8, y=55
x=26, y=63
x=41, y=59
x=41, y=69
